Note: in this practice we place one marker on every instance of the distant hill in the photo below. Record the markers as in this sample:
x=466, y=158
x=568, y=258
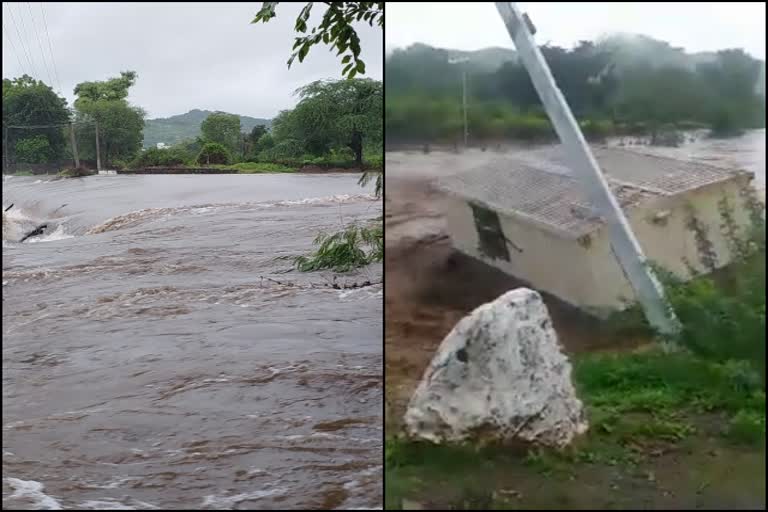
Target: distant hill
x=485, y=60
x=174, y=129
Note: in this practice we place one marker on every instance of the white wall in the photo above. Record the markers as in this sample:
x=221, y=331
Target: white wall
x=588, y=275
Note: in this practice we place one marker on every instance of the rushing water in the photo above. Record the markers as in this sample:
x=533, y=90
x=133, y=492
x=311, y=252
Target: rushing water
x=744, y=152
x=158, y=352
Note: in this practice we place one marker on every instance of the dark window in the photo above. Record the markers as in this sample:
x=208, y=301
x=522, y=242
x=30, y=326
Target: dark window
x=493, y=243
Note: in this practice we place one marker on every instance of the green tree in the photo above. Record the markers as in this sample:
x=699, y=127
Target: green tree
x=335, y=29
x=120, y=124
x=222, y=128
x=33, y=150
x=251, y=140
x=214, y=153
x=257, y=132
x=29, y=102
x=354, y=116
x=335, y=114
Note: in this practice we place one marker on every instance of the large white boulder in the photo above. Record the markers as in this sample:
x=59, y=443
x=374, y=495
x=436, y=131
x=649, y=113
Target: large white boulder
x=499, y=376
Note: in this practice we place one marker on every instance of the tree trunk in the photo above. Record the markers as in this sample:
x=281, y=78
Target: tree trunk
x=357, y=146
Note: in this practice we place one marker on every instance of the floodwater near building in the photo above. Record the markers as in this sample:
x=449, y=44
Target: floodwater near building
x=158, y=353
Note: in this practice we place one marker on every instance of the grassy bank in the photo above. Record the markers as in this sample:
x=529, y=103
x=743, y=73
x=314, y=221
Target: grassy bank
x=672, y=429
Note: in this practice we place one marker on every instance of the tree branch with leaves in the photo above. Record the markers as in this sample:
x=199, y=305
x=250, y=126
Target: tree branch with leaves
x=335, y=30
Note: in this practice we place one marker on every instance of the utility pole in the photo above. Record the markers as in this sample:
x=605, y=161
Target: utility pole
x=98, y=152
x=464, y=101
x=625, y=246
x=74, y=145
x=5, y=150
x=463, y=60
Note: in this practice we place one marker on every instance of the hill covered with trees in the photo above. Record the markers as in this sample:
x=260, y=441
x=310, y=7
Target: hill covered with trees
x=174, y=129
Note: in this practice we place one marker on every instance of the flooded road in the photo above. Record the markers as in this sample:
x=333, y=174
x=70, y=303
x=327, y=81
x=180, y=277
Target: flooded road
x=158, y=352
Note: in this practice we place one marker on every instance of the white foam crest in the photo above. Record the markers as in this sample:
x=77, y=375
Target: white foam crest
x=136, y=217
x=60, y=233
x=33, y=491
x=341, y=198
x=228, y=502
x=103, y=505
x=376, y=293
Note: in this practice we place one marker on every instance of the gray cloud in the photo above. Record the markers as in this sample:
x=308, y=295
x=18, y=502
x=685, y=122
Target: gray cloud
x=704, y=26
x=187, y=55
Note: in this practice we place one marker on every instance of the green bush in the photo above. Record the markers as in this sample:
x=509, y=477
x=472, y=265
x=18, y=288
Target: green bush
x=726, y=320
x=118, y=164
x=154, y=157
x=34, y=150
x=214, y=153
x=354, y=247
x=260, y=167
x=78, y=172
x=283, y=150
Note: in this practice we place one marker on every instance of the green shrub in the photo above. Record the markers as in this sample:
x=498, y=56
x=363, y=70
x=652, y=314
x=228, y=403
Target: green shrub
x=260, y=167
x=118, y=164
x=214, y=153
x=354, y=247
x=747, y=427
x=77, y=172
x=34, y=150
x=726, y=321
x=154, y=157
x=374, y=161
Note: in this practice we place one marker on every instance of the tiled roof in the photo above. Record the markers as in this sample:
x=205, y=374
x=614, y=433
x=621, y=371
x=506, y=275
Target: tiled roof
x=539, y=186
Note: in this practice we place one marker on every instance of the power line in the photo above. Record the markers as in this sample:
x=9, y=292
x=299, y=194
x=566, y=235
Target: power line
x=21, y=41
x=24, y=29
x=50, y=48
x=41, y=126
x=39, y=44
x=15, y=52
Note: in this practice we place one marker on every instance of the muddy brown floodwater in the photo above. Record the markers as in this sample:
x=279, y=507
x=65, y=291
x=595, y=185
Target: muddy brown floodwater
x=430, y=286
x=159, y=353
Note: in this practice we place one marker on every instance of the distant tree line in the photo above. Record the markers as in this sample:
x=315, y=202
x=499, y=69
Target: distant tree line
x=334, y=123
x=608, y=91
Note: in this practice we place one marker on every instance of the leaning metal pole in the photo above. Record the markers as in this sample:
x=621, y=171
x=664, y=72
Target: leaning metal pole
x=625, y=246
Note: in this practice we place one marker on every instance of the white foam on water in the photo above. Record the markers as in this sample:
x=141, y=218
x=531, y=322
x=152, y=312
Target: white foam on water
x=228, y=502
x=33, y=491
x=59, y=233
x=113, y=504
x=375, y=293
x=103, y=505
x=337, y=199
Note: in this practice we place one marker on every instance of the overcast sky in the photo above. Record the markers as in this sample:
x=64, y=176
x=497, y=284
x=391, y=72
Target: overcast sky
x=187, y=55
x=705, y=26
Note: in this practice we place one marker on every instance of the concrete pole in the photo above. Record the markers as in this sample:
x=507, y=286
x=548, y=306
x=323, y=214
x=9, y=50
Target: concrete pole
x=464, y=88
x=5, y=151
x=98, y=151
x=625, y=246
x=74, y=144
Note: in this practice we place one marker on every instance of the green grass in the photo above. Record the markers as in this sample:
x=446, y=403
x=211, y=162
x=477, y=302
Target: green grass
x=259, y=167
x=76, y=173
x=638, y=404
